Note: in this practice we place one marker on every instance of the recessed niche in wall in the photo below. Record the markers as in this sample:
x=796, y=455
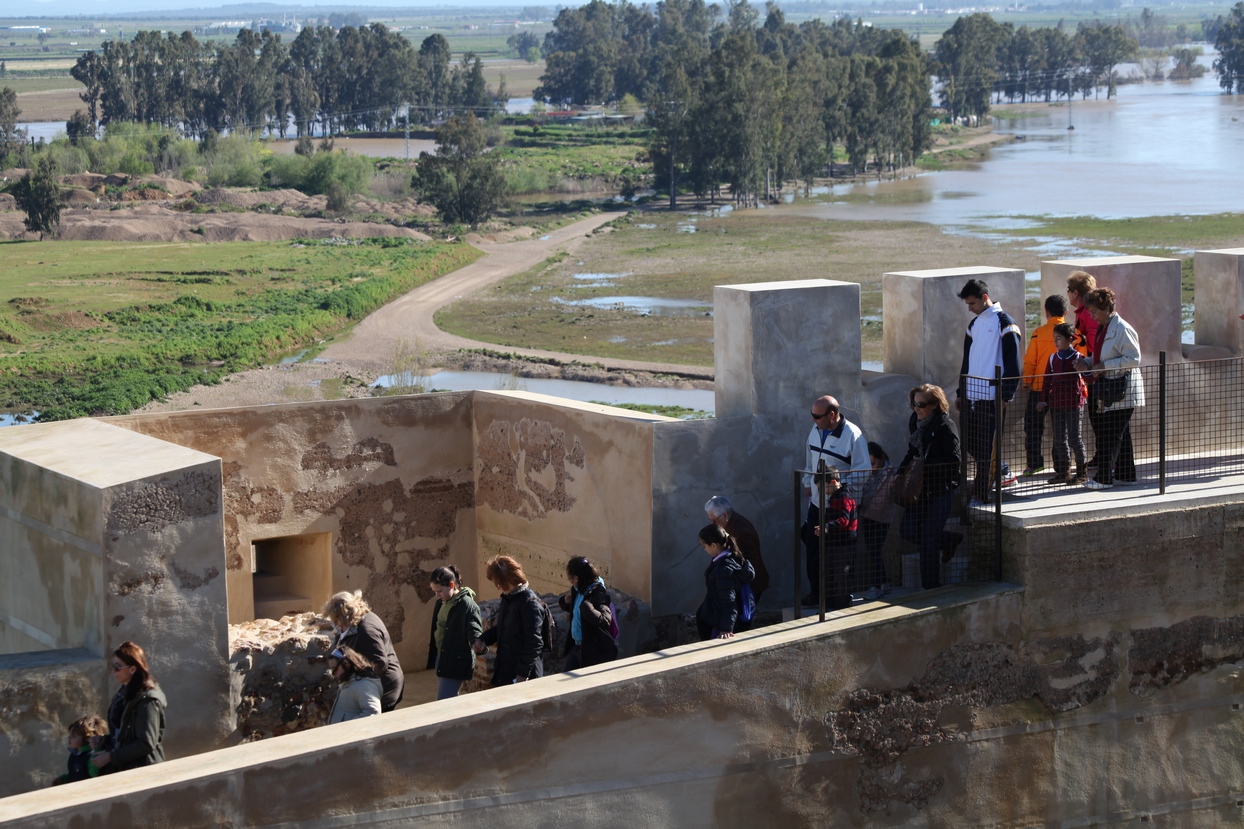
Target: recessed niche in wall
x=292, y=574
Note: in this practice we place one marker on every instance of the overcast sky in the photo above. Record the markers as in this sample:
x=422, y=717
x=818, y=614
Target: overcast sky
x=60, y=8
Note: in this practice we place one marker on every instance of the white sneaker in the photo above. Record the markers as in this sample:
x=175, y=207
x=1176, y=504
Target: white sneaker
x=1093, y=483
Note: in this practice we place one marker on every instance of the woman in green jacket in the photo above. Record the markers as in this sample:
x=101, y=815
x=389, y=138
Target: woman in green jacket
x=456, y=625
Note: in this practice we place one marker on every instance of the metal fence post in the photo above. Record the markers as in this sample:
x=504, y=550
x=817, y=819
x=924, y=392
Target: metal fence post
x=797, y=570
x=1161, y=422
x=999, y=419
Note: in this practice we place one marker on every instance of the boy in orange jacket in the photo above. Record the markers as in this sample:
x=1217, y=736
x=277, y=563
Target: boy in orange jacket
x=1036, y=357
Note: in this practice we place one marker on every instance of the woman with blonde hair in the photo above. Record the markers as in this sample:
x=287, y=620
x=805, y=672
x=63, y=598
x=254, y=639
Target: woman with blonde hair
x=357, y=627
x=521, y=628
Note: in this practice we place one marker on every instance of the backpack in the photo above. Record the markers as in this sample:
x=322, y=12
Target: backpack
x=747, y=597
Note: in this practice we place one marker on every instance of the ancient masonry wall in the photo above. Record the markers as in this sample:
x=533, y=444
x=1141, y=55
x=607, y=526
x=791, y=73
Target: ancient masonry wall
x=109, y=536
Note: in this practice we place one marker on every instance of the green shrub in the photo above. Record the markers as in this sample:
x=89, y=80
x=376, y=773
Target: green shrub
x=235, y=162
x=351, y=173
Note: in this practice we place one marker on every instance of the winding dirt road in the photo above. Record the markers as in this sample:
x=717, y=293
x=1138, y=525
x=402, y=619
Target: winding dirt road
x=372, y=341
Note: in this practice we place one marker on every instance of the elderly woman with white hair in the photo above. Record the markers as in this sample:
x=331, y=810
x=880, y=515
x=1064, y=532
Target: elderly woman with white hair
x=746, y=539
x=359, y=628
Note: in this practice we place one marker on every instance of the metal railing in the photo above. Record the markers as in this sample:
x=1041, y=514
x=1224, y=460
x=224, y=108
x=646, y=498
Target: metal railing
x=1187, y=432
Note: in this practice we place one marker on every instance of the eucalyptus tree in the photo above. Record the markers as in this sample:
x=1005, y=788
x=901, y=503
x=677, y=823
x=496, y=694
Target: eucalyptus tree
x=966, y=62
x=1229, y=42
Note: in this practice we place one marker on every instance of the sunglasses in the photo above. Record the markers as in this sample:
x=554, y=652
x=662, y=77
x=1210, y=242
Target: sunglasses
x=117, y=666
x=921, y=404
x=816, y=416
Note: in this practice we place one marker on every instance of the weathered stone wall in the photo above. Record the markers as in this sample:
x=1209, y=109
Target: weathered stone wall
x=945, y=713
x=391, y=479
x=114, y=536
x=557, y=479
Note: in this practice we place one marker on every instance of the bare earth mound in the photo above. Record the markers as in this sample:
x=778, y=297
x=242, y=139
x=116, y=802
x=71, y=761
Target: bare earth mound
x=154, y=222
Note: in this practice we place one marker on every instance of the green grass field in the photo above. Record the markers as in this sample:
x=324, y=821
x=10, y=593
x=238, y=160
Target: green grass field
x=93, y=328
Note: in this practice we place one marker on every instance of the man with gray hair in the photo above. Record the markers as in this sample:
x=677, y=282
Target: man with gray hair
x=721, y=513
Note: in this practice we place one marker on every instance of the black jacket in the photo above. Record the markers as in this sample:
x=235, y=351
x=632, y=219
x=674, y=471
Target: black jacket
x=940, y=446
x=722, y=580
x=519, y=637
x=371, y=639
x=138, y=739
x=462, y=628
x=594, y=617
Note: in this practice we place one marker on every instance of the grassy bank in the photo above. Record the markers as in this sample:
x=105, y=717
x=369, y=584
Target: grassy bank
x=653, y=254
x=102, y=328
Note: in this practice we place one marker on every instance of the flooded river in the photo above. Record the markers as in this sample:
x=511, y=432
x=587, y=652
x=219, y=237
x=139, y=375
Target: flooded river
x=1159, y=149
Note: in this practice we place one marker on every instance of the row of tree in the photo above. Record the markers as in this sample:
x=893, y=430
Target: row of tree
x=335, y=79
x=740, y=102
x=978, y=58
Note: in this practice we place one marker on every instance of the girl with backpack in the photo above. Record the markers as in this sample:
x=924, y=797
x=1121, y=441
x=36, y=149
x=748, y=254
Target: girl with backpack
x=455, y=627
x=591, y=639
x=719, y=615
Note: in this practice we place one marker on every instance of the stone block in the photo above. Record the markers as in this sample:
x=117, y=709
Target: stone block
x=779, y=342
x=1219, y=298
x=925, y=319
x=1147, y=295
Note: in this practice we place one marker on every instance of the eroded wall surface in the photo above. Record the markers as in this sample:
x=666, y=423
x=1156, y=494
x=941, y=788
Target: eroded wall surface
x=112, y=536
x=557, y=479
x=390, y=479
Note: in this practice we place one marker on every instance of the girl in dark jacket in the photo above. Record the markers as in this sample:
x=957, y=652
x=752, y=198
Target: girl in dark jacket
x=136, y=716
x=519, y=632
x=455, y=627
x=361, y=629
x=935, y=438
x=589, y=641
x=718, y=615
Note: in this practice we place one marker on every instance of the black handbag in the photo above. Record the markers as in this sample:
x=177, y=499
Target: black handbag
x=1111, y=390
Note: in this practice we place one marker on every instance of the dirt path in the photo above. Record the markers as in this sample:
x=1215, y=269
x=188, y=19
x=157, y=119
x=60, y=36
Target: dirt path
x=411, y=317
x=348, y=367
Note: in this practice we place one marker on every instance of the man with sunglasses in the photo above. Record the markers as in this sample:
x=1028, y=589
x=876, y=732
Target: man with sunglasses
x=842, y=444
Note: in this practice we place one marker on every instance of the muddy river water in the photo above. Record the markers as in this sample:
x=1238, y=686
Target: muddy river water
x=1159, y=149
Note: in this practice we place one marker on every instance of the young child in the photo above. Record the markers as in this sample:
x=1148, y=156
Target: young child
x=840, y=525
x=876, y=515
x=1064, y=394
x=1040, y=347
x=86, y=735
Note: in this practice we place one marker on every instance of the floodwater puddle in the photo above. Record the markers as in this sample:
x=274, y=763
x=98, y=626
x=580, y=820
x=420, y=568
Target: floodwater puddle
x=644, y=305
x=598, y=278
x=701, y=400
x=17, y=418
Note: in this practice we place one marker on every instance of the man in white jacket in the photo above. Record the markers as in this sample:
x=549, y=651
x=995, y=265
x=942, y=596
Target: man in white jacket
x=842, y=444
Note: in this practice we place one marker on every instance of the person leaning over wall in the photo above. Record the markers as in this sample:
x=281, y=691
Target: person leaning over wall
x=522, y=630
x=136, y=716
x=359, y=628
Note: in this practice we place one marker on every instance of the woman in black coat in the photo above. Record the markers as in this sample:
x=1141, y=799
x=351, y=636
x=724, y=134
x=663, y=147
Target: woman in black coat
x=935, y=438
x=360, y=629
x=718, y=615
x=522, y=628
x=455, y=627
x=136, y=715
x=589, y=641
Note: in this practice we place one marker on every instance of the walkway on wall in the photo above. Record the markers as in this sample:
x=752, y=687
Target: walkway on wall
x=295, y=779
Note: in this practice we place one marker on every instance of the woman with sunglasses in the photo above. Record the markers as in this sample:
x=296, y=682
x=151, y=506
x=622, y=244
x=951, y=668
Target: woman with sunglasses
x=935, y=438
x=136, y=716
x=360, y=687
